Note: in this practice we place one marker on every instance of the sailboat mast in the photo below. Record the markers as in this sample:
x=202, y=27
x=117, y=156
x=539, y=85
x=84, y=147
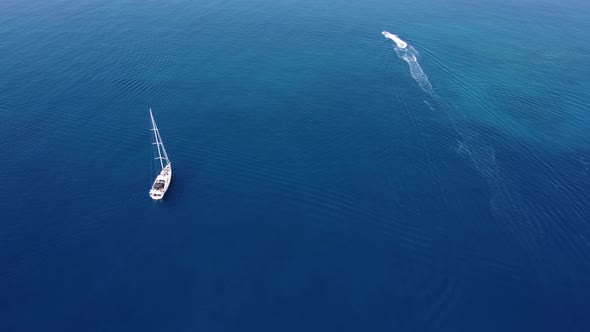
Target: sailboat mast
x=158, y=140
x=163, y=149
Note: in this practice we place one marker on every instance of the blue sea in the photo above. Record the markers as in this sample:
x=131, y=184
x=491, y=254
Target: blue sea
x=325, y=179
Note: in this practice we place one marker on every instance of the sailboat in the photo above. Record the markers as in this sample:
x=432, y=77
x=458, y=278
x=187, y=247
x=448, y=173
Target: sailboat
x=162, y=181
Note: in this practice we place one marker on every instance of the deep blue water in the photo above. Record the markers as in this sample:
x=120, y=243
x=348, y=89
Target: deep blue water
x=323, y=179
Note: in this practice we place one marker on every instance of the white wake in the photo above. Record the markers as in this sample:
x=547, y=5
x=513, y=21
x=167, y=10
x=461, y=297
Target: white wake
x=482, y=157
x=410, y=55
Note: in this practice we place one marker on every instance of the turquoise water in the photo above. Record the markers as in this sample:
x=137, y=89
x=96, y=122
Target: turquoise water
x=323, y=179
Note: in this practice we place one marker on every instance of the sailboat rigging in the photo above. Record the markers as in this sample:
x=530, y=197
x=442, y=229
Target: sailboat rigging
x=162, y=181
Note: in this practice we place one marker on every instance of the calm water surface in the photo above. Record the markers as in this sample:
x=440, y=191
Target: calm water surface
x=324, y=180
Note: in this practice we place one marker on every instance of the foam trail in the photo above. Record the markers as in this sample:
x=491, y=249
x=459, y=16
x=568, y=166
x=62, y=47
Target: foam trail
x=482, y=157
x=410, y=55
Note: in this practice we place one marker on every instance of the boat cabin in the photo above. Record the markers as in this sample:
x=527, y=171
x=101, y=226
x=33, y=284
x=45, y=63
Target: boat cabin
x=159, y=184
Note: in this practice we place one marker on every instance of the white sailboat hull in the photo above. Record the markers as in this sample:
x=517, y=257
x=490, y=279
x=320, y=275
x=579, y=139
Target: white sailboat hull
x=161, y=183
